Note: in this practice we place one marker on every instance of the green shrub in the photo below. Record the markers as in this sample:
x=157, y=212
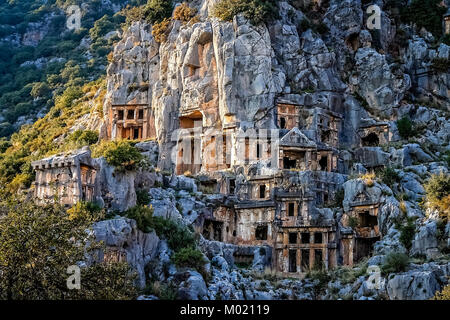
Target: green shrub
x=407, y=233
x=395, y=262
x=405, y=127
x=189, y=258
x=40, y=89
x=257, y=11
x=84, y=137
x=446, y=39
x=164, y=291
x=425, y=14
x=123, y=154
x=389, y=176
x=437, y=191
x=158, y=10
x=143, y=216
x=177, y=235
x=353, y=222
x=142, y=197
x=339, y=198
x=440, y=64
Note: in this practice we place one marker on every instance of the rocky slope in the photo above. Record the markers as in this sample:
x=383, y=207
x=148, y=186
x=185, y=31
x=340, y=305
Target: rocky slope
x=243, y=68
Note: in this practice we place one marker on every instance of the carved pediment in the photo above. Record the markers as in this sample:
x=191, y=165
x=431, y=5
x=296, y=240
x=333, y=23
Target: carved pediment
x=296, y=138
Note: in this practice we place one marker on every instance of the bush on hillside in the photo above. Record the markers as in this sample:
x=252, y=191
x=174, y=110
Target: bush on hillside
x=395, y=262
x=257, y=11
x=190, y=258
x=156, y=11
x=438, y=193
x=123, y=155
x=405, y=127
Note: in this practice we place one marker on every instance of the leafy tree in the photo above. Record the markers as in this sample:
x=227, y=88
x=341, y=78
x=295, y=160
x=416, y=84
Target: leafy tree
x=425, y=14
x=405, y=127
x=157, y=10
x=40, y=89
x=123, y=155
x=84, y=137
x=39, y=243
x=257, y=11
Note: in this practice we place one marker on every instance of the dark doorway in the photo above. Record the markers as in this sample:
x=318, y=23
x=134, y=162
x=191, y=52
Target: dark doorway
x=305, y=237
x=232, y=186
x=291, y=208
x=318, y=237
x=366, y=220
x=305, y=260
x=364, y=247
x=288, y=163
x=325, y=136
x=212, y=230
x=318, y=259
x=292, y=260
x=130, y=114
x=293, y=238
x=261, y=233
x=282, y=123
x=262, y=192
x=141, y=114
x=323, y=163
x=371, y=140
x=136, y=133
x=120, y=114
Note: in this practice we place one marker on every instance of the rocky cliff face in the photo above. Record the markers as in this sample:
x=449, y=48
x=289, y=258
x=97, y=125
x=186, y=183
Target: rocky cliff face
x=234, y=72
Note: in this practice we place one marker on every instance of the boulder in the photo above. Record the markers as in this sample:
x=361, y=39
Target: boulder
x=415, y=285
x=122, y=235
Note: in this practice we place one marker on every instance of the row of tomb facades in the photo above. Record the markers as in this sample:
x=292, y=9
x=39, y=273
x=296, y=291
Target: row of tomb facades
x=276, y=179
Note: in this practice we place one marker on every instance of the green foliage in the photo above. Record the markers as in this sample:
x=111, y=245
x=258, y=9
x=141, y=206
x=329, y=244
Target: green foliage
x=142, y=197
x=405, y=127
x=177, y=235
x=446, y=39
x=257, y=11
x=84, y=137
x=440, y=64
x=164, y=291
x=389, y=176
x=189, y=258
x=143, y=216
x=40, y=89
x=39, y=243
x=339, y=198
x=157, y=10
x=353, y=222
x=395, y=262
x=425, y=14
x=407, y=233
x=438, y=193
x=123, y=155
